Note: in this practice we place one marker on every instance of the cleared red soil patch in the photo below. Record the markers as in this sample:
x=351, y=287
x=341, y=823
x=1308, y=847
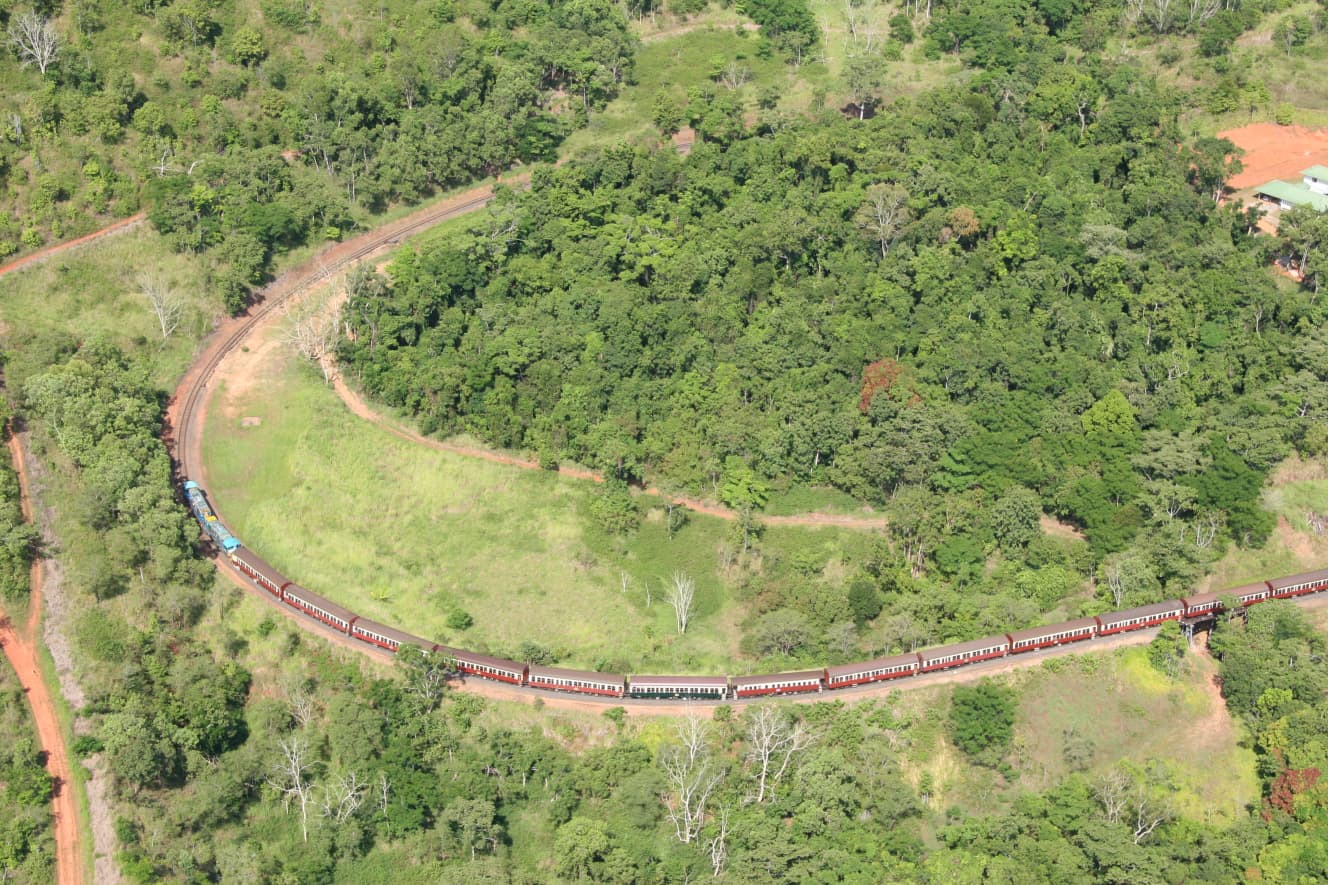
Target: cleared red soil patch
x=1273, y=152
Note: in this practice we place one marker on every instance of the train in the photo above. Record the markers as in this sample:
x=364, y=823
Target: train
x=830, y=678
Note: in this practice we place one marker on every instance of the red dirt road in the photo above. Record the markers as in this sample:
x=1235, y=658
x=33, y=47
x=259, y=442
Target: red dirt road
x=42, y=254
x=1273, y=152
x=21, y=648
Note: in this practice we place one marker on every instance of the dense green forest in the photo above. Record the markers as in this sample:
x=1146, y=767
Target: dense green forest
x=1013, y=295
x=968, y=311
x=246, y=129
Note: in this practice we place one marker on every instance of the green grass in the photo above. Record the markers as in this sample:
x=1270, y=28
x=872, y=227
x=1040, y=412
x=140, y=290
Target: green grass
x=1129, y=711
x=673, y=65
x=405, y=535
x=1132, y=712
x=1295, y=487
x=93, y=290
x=808, y=499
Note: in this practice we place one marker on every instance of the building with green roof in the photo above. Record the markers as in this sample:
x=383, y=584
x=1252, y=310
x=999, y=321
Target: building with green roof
x=1316, y=178
x=1288, y=196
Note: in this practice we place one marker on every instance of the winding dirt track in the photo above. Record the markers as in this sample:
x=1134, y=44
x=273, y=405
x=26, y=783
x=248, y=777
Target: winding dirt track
x=120, y=226
x=21, y=647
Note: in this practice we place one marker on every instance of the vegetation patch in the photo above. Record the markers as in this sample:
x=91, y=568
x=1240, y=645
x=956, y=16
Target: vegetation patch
x=408, y=536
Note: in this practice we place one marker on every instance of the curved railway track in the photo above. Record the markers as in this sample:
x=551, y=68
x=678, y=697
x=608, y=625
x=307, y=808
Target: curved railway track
x=184, y=413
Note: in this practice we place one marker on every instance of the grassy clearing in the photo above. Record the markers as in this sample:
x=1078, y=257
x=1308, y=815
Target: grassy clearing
x=671, y=65
x=407, y=535
x=1296, y=486
x=1128, y=712
x=94, y=290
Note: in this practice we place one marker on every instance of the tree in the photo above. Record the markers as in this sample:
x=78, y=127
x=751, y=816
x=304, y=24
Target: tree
x=783, y=630
x=579, y=843
x=692, y=776
x=34, y=40
x=863, y=77
x=134, y=749
x=679, y=593
x=1167, y=650
x=742, y=489
x=774, y=737
x=166, y=301
x=313, y=328
x=884, y=214
x=289, y=777
x=982, y=720
x=470, y=824
x=247, y=46
x=1015, y=518
x=1215, y=161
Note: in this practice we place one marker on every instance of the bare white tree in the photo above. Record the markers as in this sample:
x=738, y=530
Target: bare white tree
x=313, y=327
x=34, y=40
x=289, y=777
x=774, y=737
x=1132, y=802
x=735, y=75
x=303, y=704
x=165, y=300
x=1149, y=814
x=860, y=19
x=718, y=845
x=1202, y=10
x=1112, y=791
x=884, y=214
x=343, y=796
x=383, y=788
x=692, y=776
x=679, y=593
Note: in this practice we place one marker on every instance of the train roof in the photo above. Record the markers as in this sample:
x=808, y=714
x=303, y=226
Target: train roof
x=260, y=565
x=1202, y=599
x=798, y=676
x=866, y=666
x=683, y=681
x=472, y=657
x=537, y=672
x=295, y=591
x=1052, y=629
x=1246, y=589
x=393, y=633
x=1303, y=578
x=962, y=648
x=1143, y=611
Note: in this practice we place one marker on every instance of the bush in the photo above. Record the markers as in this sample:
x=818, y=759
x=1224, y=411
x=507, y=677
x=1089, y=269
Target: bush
x=459, y=620
x=982, y=720
x=85, y=745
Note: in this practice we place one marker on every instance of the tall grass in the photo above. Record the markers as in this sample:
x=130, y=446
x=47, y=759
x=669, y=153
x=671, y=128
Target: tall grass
x=407, y=535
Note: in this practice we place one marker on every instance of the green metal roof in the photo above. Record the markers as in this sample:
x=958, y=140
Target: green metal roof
x=1316, y=171
x=1295, y=194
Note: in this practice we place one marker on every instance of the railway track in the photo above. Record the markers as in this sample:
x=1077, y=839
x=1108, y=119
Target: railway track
x=184, y=413
x=185, y=416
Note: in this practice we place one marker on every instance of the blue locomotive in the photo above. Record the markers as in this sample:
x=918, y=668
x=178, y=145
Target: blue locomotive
x=202, y=510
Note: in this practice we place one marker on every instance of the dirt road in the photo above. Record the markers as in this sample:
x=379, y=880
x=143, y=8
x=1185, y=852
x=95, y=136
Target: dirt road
x=21, y=648
x=120, y=226
x=362, y=409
